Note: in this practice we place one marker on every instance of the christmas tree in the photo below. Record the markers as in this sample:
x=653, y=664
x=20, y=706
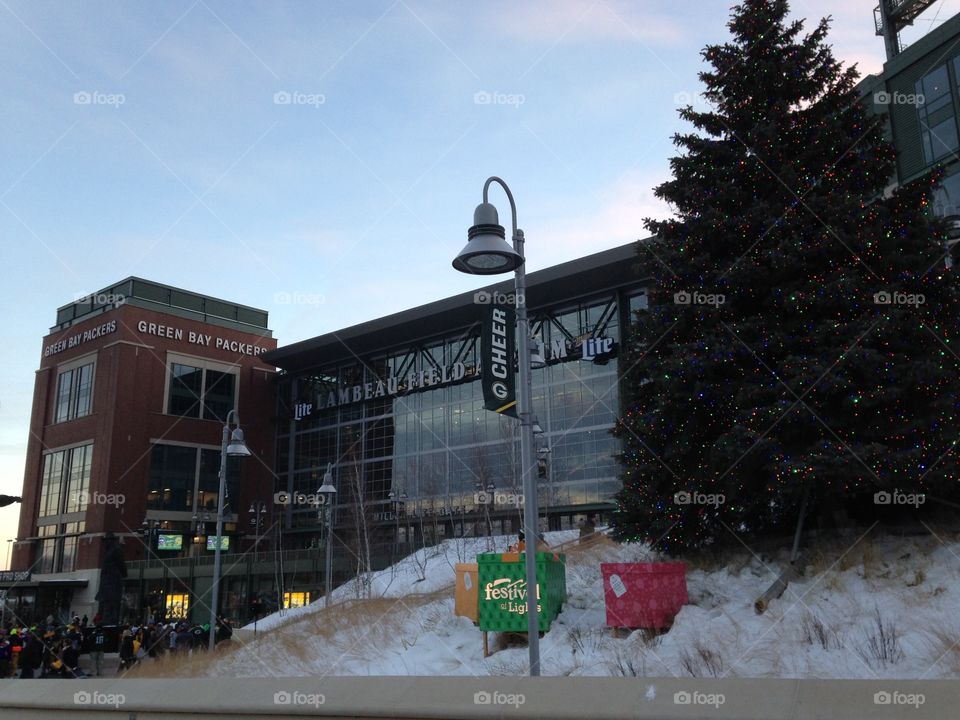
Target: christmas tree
x=801, y=335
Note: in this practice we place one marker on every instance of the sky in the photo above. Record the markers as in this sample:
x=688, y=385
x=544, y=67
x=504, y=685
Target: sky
x=322, y=160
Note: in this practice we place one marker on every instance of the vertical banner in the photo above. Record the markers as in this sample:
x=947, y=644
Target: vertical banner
x=497, y=340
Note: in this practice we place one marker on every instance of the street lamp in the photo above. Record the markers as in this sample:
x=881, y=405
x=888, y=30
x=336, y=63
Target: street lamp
x=487, y=253
x=327, y=491
x=232, y=445
x=258, y=518
x=396, y=503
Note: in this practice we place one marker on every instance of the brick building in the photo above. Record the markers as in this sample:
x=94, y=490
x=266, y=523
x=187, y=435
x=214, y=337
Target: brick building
x=132, y=391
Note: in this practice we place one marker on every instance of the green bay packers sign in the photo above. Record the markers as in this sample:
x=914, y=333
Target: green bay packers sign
x=497, y=340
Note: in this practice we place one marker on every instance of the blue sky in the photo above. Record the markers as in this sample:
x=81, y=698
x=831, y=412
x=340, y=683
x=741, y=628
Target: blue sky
x=329, y=152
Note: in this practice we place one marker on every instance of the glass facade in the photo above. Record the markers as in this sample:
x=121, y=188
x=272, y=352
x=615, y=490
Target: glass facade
x=937, y=112
x=391, y=436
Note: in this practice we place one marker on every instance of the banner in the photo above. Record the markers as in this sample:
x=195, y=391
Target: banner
x=497, y=341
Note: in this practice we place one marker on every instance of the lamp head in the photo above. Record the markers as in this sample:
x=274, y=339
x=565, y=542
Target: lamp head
x=237, y=447
x=327, y=490
x=487, y=252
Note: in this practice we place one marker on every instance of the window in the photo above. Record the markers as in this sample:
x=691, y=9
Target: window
x=178, y=606
x=186, y=478
x=938, y=125
x=946, y=198
x=58, y=547
x=74, y=390
x=200, y=389
x=65, y=480
x=296, y=599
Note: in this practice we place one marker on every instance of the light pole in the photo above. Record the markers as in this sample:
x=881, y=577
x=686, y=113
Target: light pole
x=327, y=491
x=258, y=516
x=487, y=253
x=397, y=501
x=232, y=445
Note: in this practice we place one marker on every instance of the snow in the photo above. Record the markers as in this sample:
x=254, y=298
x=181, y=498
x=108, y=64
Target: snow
x=821, y=627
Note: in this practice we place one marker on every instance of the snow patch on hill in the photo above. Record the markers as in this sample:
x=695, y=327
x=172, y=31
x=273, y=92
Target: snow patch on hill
x=877, y=608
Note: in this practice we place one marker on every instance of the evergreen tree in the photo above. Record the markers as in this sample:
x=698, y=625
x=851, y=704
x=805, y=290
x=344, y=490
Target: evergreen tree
x=767, y=362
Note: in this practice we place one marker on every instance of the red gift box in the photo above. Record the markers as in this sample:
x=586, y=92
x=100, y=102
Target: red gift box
x=643, y=595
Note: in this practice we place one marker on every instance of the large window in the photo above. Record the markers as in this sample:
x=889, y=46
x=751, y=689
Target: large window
x=187, y=478
x=938, y=124
x=65, y=480
x=74, y=390
x=200, y=389
x=58, y=547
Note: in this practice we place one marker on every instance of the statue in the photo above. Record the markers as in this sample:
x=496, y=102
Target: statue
x=112, y=573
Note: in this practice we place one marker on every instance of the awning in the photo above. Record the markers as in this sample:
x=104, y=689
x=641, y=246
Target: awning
x=67, y=582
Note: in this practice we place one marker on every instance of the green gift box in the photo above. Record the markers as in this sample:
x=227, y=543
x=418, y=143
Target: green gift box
x=503, y=590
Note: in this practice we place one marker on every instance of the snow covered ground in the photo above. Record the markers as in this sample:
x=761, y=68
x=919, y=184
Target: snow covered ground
x=884, y=609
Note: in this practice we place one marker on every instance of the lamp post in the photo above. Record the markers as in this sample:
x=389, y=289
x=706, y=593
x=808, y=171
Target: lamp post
x=232, y=445
x=327, y=491
x=258, y=517
x=397, y=501
x=487, y=253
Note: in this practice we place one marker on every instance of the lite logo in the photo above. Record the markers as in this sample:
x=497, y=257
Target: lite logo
x=301, y=410
x=597, y=347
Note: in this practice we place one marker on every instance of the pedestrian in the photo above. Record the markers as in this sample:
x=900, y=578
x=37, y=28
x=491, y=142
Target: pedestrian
x=6, y=655
x=16, y=645
x=224, y=631
x=70, y=658
x=128, y=655
x=96, y=650
x=200, y=633
x=31, y=657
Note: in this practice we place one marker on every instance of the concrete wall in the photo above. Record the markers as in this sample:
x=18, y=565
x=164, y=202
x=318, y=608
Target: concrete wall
x=484, y=697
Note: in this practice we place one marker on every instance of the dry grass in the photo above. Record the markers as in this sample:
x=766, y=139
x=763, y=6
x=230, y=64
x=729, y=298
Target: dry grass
x=356, y=628
x=944, y=649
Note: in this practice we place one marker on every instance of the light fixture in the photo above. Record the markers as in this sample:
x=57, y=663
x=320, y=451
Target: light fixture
x=237, y=447
x=486, y=251
x=537, y=358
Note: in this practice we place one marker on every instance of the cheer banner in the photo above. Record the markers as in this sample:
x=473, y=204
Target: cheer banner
x=497, y=340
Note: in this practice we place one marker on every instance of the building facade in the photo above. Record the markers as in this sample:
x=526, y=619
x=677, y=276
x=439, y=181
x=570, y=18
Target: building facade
x=133, y=388
x=918, y=93
x=395, y=407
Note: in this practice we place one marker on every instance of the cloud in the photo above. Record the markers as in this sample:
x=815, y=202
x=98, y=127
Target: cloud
x=578, y=21
x=617, y=220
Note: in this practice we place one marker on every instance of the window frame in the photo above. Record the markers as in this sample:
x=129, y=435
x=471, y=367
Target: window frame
x=73, y=396
x=205, y=365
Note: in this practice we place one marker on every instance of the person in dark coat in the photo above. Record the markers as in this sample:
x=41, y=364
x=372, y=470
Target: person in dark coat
x=31, y=657
x=200, y=634
x=127, y=654
x=224, y=631
x=70, y=658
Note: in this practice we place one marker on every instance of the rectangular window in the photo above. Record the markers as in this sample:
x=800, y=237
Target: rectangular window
x=58, y=547
x=186, y=388
x=65, y=480
x=179, y=473
x=198, y=391
x=74, y=392
x=178, y=606
x=938, y=125
x=296, y=599
x=218, y=395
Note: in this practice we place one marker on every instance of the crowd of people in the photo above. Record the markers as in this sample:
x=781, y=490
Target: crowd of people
x=53, y=650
